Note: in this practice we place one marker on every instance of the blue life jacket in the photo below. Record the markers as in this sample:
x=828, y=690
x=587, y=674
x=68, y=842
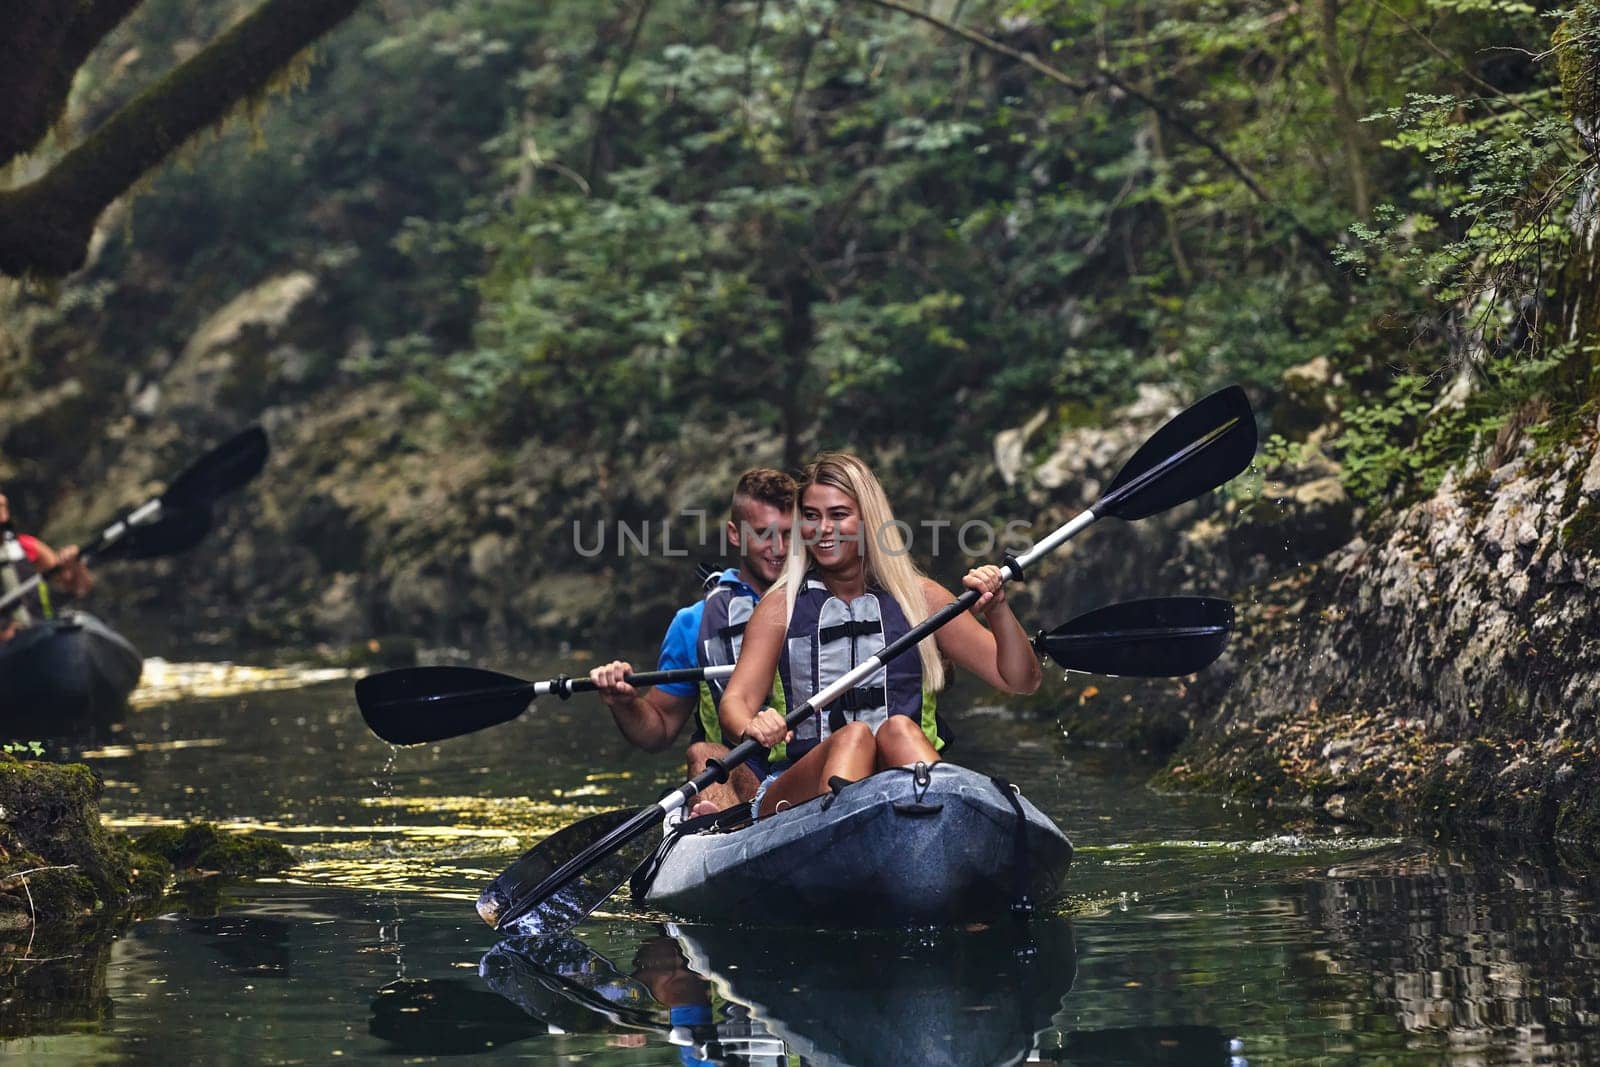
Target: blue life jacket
x=826, y=638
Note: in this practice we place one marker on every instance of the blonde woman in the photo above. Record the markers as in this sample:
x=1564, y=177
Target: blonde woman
x=848, y=589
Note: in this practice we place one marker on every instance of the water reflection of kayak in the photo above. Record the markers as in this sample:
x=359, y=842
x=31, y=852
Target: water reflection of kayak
x=945, y=845
x=64, y=672
x=951, y=996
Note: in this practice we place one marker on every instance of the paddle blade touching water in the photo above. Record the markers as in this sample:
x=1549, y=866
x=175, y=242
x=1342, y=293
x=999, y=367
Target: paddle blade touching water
x=564, y=905
x=1164, y=637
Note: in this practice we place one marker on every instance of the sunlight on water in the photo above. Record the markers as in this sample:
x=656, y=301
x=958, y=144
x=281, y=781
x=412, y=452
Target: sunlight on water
x=164, y=682
x=493, y=811
x=1278, y=845
x=125, y=751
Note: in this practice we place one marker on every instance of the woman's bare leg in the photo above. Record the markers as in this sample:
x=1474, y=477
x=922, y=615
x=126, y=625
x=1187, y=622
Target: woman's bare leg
x=901, y=742
x=848, y=753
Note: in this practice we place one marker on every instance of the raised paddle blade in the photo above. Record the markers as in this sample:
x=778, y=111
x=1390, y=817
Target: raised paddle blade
x=177, y=530
x=1164, y=637
x=1199, y=449
x=414, y=705
x=220, y=471
x=521, y=900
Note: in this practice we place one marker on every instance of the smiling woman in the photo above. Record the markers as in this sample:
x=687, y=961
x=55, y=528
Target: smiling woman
x=849, y=590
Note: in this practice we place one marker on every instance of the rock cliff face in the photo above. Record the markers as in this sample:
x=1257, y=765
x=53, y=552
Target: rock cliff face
x=1442, y=671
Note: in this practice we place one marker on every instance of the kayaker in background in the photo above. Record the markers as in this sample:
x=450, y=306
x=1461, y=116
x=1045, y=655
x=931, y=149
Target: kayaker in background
x=21, y=557
x=849, y=588
x=707, y=633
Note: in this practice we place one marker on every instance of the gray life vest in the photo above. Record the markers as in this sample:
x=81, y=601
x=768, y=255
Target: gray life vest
x=827, y=637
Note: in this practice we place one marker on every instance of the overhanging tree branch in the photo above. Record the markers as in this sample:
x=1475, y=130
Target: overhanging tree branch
x=44, y=44
x=45, y=226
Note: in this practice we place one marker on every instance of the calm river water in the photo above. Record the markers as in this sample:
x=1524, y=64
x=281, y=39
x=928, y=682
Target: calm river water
x=1194, y=932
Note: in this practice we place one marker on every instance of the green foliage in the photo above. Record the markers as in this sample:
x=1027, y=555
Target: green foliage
x=557, y=221
x=1502, y=182
x=23, y=749
x=1404, y=442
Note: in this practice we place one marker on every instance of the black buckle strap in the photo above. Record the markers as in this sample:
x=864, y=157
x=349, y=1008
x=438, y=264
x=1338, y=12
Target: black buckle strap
x=829, y=634
x=862, y=698
x=855, y=701
x=728, y=633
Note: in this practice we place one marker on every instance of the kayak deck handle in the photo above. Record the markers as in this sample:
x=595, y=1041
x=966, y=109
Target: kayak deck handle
x=916, y=808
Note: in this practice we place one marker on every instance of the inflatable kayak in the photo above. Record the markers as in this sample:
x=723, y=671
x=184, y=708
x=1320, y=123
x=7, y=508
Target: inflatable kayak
x=64, y=672
x=924, y=845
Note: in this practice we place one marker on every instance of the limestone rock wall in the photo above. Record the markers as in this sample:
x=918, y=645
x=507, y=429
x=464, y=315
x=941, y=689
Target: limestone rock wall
x=1444, y=671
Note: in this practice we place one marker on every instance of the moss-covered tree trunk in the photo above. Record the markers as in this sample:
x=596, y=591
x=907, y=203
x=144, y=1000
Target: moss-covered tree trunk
x=1577, y=304
x=45, y=227
x=43, y=45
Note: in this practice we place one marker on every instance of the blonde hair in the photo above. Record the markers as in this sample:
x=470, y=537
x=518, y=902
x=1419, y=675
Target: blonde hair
x=885, y=556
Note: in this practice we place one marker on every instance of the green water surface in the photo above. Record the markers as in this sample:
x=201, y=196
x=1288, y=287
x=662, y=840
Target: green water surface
x=1192, y=932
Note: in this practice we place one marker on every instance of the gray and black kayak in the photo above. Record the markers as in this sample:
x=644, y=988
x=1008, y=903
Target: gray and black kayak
x=65, y=672
x=908, y=846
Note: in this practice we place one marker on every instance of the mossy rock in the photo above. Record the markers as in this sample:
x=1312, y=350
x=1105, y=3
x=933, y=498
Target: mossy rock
x=49, y=817
x=1581, y=535
x=201, y=847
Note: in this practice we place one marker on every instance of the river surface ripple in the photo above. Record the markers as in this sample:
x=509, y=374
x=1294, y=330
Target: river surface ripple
x=1193, y=931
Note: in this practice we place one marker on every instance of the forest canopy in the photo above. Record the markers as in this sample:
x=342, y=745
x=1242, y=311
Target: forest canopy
x=892, y=222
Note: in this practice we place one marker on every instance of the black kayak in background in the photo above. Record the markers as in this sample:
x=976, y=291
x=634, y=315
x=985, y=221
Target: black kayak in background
x=64, y=673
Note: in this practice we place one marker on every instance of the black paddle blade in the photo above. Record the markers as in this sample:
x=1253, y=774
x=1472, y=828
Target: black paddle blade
x=178, y=530
x=414, y=705
x=522, y=892
x=220, y=471
x=1199, y=449
x=1165, y=637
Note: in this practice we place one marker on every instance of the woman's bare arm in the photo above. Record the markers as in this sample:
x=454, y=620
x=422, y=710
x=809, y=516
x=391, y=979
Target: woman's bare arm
x=999, y=654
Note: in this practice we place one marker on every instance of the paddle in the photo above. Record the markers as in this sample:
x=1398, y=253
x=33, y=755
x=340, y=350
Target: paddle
x=1158, y=638
x=1196, y=451
x=414, y=705
x=179, y=517
x=1163, y=637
